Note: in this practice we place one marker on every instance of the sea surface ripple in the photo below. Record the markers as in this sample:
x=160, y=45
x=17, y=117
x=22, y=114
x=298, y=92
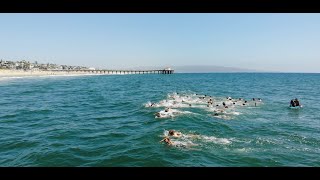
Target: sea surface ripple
x=102, y=121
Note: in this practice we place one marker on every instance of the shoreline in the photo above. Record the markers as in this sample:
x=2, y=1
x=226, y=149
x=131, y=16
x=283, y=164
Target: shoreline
x=36, y=73
x=22, y=73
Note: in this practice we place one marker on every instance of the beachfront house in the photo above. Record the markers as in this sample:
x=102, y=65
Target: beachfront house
x=31, y=66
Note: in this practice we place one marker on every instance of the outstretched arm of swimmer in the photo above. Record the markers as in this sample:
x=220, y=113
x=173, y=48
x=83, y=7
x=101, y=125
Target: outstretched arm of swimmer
x=163, y=139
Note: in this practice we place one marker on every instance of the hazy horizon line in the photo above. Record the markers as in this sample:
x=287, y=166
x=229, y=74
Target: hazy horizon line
x=220, y=69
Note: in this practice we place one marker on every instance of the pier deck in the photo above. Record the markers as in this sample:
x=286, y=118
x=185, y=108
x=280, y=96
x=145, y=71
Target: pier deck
x=163, y=71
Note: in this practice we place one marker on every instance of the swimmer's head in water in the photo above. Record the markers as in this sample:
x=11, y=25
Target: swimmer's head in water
x=167, y=140
x=171, y=132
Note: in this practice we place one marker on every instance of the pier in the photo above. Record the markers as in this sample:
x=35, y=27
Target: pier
x=104, y=71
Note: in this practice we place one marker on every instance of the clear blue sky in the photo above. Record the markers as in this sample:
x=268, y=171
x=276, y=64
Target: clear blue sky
x=278, y=42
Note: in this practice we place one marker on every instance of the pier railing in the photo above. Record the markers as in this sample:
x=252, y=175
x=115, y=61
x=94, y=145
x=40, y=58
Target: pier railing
x=88, y=71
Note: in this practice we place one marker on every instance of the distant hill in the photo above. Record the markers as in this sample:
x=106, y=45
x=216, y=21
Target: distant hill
x=197, y=69
x=208, y=69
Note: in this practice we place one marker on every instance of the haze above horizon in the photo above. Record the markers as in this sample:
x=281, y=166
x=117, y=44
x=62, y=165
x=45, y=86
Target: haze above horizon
x=261, y=42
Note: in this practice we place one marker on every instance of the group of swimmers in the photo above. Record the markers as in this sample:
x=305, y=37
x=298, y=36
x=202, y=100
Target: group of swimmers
x=233, y=102
x=171, y=133
x=161, y=114
x=229, y=103
x=178, y=139
x=175, y=134
x=218, y=105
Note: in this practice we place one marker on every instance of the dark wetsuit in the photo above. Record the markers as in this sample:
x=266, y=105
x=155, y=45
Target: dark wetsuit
x=293, y=104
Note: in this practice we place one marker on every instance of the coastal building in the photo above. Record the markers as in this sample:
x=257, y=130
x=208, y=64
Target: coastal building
x=28, y=66
x=31, y=66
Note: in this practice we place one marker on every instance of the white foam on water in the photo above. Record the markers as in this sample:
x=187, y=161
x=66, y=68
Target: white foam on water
x=225, y=117
x=242, y=141
x=12, y=77
x=189, y=138
x=235, y=113
x=184, y=144
x=148, y=104
x=165, y=132
x=243, y=150
x=215, y=139
x=172, y=113
x=192, y=100
x=3, y=78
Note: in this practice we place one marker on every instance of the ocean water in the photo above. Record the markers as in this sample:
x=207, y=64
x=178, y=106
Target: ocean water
x=104, y=121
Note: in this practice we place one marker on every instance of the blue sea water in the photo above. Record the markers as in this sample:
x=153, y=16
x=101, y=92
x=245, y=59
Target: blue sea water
x=103, y=121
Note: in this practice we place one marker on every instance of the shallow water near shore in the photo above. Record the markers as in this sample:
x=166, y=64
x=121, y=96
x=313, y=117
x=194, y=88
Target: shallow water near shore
x=102, y=121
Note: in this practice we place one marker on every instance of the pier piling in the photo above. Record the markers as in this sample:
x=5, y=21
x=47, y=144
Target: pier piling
x=105, y=71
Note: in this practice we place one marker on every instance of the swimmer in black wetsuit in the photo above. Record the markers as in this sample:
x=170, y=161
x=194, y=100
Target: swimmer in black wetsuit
x=297, y=102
